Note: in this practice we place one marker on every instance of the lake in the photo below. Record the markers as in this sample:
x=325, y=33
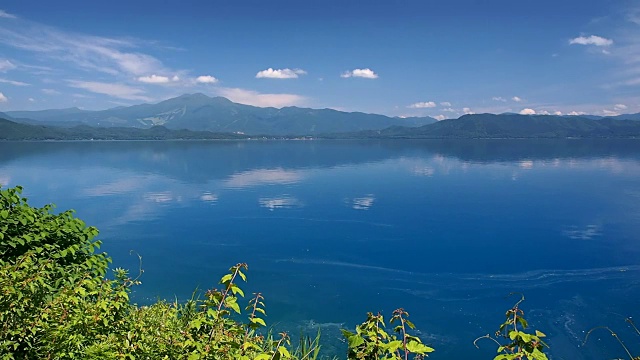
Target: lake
x=333, y=229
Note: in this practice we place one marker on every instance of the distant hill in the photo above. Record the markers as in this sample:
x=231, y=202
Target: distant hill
x=488, y=126
x=218, y=114
x=10, y=130
x=635, y=117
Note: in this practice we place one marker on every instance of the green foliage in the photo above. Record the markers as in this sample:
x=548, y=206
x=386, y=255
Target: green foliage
x=520, y=345
x=371, y=341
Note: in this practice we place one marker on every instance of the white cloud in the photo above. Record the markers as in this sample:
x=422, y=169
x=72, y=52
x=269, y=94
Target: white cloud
x=499, y=98
x=606, y=112
x=516, y=99
x=445, y=103
x=206, y=79
x=559, y=113
x=280, y=73
x=6, y=15
x=467, y=111
x=439, y=117
x=362, y=73
x=120, y=91
x=449, y=110
x=255, y=98
x=50, y=91
x=527, y=112
x=576, y=113
x=3, y=98
x=31, y=100
x=544, y=112
x=591, y=40
x=12, y=82
x=620, y=107
x=157, y=79
x=6, y=65
x=422, y=105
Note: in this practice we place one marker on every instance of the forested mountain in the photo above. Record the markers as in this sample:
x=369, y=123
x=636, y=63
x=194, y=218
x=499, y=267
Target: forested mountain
x=218, y=114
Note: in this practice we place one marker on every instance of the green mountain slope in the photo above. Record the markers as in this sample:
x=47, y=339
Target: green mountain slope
x=200, y=112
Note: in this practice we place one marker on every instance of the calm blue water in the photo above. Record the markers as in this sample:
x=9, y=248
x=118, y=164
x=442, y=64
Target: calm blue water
x=333, y=229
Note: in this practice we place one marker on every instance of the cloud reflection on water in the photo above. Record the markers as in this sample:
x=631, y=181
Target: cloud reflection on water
x=363, y=203
x=261, y=177
x=281, y=202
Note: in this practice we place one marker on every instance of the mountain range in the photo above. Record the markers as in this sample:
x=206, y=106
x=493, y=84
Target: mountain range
x=197, y=116
x=503, y=126
x=199, y=112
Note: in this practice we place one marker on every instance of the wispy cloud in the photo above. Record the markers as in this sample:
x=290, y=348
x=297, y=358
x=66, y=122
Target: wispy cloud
x=280, y=73
x=6, y=15
x=107, y=55
x=120, y=91
x=12, y=82
x=50, y=91
x=516, y=99
x=591, y=40
x=620, y=107
x=3, y=98
x=250, y=97
x=6, y=65
x=361, y=73
x=422, y=105
x=499, y=98
x=445, y=103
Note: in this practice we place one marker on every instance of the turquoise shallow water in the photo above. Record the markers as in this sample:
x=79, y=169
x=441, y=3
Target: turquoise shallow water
x=333, y=229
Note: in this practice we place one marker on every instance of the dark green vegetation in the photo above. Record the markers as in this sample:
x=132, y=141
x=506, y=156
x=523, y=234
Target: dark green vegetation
x=199, y=112
x=10, y=130
x=505, y=126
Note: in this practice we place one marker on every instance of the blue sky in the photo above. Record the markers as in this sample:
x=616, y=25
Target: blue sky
x=402, y=58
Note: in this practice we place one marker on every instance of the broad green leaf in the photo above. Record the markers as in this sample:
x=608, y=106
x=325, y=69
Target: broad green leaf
x=418, y=348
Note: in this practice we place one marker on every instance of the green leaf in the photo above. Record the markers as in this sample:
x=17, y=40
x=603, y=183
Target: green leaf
x=392, y=346
x=284, y=352
x=418, y=348
x=354, y=341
